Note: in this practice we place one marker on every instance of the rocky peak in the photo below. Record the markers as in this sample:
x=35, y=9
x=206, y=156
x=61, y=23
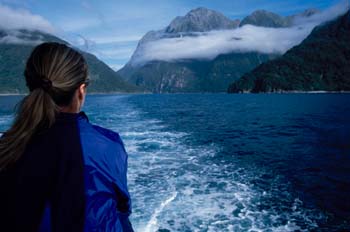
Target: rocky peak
x=199, y=20
x=263, y=18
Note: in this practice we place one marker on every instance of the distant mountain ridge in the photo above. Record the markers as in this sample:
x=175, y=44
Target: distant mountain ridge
x=188, y=75
x=263, y=18
x=320, y=62
x=16, y=46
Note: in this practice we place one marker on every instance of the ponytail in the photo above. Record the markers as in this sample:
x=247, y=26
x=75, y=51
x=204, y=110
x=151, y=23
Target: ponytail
x=35, y=113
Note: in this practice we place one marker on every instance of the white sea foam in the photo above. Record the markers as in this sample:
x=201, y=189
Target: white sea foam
x=152, y=225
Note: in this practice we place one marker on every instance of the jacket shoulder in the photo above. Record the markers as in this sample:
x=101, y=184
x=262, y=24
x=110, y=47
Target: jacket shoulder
x=97, y=131
x=112, y=135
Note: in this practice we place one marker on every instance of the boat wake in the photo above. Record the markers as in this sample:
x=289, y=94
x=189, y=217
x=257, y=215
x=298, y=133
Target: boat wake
x=152, y=225
x=177, y=185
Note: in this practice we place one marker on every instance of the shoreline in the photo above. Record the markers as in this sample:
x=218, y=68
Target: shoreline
x=108, y=93
x=296, y=92
x=12, y=94
x=146, y=93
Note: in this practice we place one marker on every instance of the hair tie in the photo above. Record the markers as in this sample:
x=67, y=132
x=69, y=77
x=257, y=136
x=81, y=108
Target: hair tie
x=45, y=83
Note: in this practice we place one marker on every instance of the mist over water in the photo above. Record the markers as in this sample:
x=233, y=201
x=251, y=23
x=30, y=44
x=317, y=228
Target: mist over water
x=218, y=162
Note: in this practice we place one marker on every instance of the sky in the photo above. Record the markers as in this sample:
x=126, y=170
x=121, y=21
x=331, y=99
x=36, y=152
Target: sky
x=111, y=29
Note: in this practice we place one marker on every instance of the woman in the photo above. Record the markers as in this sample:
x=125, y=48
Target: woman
x=57, y=171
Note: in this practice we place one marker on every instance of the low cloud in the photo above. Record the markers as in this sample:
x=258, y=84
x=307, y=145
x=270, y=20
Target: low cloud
x=244, y=39
x=116, y=67
x=20, y=37
x=23, y=19
x=208, y=45
x=85, y=43
x=9, y=39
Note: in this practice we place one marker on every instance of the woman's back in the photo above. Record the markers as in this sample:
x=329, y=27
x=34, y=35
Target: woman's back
x=50, y=171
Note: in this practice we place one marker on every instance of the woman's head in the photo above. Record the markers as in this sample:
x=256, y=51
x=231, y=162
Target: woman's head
x=56, y=70
x=56, y=76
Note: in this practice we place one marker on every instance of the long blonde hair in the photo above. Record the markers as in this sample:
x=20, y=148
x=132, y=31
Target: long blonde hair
x=53, y=72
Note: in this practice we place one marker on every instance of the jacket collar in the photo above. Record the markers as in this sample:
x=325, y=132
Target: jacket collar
x=64, y=116
x=82, y=116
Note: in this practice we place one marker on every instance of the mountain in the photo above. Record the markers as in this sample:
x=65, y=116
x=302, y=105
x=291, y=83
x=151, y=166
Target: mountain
x=263, y=18
x=194, y=22
x=15, y=48
x=320, y=62
x=190, y=75
x=197, y=75
x=201, y=20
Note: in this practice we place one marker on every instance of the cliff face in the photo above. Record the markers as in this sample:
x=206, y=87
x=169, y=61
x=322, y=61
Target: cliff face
x=15, y=48
x=195, y=75
x=320, y=62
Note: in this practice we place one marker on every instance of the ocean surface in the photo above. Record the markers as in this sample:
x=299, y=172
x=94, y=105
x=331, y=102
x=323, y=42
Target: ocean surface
x=219, y=162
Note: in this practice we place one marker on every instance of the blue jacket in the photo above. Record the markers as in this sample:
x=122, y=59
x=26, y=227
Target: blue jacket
x=71, y=177
x=108, y=204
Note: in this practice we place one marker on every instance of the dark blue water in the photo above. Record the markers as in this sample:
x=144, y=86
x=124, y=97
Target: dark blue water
x=218, y=162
